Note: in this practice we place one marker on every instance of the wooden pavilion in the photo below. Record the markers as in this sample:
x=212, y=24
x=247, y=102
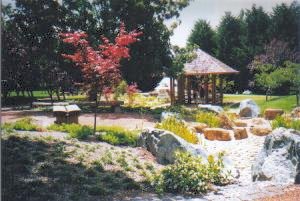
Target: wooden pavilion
x=201, y=80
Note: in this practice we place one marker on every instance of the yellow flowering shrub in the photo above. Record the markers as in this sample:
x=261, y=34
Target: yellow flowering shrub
x=179, y=128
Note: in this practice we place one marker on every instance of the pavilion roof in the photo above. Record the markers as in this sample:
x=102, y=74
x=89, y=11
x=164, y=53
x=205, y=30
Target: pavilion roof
x=205, y=64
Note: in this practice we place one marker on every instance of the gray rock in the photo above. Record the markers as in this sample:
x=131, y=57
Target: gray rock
x=162, y=144
x=165, y=115
x=247, y=92
x=213, y=108
x=248, y=108
x=279, y=160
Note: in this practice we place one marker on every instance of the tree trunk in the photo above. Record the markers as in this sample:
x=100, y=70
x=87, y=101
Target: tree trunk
x=50, y=95
x=57, y=94
x=64, y=96
x=95, y=114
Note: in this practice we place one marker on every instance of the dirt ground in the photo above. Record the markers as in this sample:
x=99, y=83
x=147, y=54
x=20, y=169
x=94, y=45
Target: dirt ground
x=291, y=193
x=126, y=120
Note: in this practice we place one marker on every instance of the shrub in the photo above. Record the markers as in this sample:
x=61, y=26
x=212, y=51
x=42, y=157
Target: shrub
x=75, y=130
x=179, y=128
x=25, y=124
x=209, y=118
x=120, y=89
x=286, y=122
x=189, y=174
x=117, y=135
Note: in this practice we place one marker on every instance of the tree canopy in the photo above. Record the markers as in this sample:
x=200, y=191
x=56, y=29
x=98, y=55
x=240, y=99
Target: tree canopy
x=204, y=36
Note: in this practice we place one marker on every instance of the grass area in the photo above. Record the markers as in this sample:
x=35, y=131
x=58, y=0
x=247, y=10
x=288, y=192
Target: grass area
x=75, y=130
x=114, y=135
x=287, y=103
x=37, y=94
x=117, y=135
x=45, y=168
x=25, y=124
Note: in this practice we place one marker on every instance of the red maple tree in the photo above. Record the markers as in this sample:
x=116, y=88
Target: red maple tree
x=100, y=66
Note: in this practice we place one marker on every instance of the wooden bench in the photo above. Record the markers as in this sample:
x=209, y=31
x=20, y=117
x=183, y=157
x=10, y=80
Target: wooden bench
x=45, y=104
x=66, y=114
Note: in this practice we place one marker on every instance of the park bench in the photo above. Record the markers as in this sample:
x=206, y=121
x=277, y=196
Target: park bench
x=66, y=114
x=45, y=104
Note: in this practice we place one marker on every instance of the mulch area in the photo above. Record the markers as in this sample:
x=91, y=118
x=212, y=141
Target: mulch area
x=291, y=193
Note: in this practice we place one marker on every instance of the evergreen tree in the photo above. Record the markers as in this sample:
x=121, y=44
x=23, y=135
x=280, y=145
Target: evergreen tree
x=231, y=48
x=203, y=36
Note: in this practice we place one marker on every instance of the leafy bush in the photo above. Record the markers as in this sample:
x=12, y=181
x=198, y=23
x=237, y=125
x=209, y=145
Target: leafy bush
x=75, y=130
x=25, y=124
x=189, y=174
x=179, y=128
x=286, y=122
x=117, y=135
x=209, y=118
x=120, y=89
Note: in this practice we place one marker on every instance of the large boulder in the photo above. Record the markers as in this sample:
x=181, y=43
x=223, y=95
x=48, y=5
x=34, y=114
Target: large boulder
x=212, y=108
x=248, y=108
x=296, y=112
x=219, y=134
x=279, y=160
x=162, y=144
x=271, y=114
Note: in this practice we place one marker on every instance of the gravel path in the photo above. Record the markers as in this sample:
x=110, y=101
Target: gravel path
x=44, y=119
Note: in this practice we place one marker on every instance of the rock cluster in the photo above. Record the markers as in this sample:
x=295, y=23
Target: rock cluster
x=279, y=160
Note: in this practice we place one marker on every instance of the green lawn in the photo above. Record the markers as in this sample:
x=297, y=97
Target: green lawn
x=44, y=94
x=287, y=103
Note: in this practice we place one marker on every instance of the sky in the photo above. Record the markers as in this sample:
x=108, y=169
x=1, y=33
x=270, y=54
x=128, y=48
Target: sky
x=211, y=11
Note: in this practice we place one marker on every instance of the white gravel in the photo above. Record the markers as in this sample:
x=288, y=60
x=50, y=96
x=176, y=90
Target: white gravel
x=242, y=153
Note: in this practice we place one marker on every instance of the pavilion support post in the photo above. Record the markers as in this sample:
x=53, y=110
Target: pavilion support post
x=221, y=90
x=172, y=94
x=189, y=90
x=206, y=88
x=213, y=89
x=171, y=90
x=180, y=88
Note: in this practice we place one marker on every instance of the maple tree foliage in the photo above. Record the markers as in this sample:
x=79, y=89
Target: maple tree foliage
x=100, y=66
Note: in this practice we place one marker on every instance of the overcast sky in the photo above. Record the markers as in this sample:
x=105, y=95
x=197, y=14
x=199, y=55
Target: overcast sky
x=212, y=11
